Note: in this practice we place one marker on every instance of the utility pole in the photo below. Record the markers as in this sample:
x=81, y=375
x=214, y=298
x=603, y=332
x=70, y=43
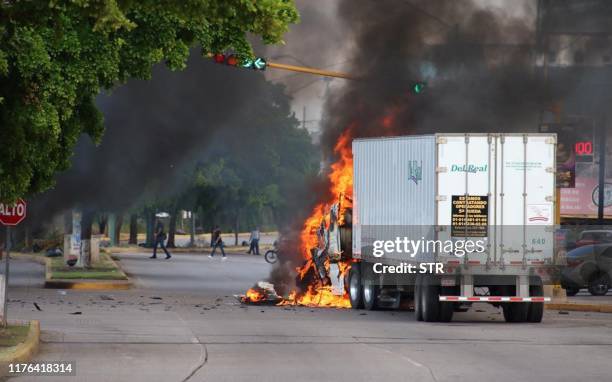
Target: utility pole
x=6, y=275
x=304, y=118
x=602, y=171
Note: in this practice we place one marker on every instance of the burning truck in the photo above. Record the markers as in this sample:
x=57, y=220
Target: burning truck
x=497, y=190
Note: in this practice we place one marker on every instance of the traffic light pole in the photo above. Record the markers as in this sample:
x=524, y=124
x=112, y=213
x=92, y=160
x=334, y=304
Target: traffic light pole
x=305, y=69
x=6, y=275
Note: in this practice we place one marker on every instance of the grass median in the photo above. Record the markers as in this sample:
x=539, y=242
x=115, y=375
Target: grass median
x=104, y=269
x=11, y=336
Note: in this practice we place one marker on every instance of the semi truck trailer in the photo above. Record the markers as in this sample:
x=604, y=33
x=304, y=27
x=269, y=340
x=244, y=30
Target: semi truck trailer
x=445, y=191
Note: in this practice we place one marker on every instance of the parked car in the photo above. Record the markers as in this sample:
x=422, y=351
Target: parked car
x=588, y=266
x=591, y=237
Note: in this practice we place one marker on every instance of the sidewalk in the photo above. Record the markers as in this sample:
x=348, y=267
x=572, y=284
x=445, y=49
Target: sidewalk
x=584, y=302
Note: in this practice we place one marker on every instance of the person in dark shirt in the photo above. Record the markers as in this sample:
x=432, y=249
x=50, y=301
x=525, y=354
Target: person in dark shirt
x=216, y=242
x=160, y=238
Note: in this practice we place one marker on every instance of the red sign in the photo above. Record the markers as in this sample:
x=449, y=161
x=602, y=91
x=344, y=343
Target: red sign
x=12, y=214
x=583, y=148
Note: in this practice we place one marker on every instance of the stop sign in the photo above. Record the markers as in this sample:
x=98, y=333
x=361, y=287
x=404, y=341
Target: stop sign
x=12, y=214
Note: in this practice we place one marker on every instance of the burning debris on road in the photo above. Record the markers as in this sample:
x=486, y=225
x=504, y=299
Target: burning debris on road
x=262, y=293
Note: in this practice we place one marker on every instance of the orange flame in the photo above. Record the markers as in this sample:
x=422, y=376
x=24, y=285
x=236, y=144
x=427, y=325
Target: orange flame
x=341, y=192
x=254, y=295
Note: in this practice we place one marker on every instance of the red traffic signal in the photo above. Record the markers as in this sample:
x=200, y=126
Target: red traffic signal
x=219, y=58
x=231, y=60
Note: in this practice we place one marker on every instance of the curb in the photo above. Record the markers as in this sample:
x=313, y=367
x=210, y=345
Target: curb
x=24, y=351
x=87, y=284
x=83, y=284
x=575, y=307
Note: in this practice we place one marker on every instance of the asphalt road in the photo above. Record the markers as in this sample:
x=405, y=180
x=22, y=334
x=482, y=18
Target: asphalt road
x=181, y=323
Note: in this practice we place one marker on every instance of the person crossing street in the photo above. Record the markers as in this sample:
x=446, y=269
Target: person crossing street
x=217, y=242
x=254, y=242
x=160, y=238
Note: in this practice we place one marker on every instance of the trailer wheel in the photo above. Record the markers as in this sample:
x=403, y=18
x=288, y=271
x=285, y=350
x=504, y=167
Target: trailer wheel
x=516, y=311
x=355, y=289
x=370, y=294
x=430, y=300
x=447, y=308
x=418, y=307
x=513, y=311
x=536, y=309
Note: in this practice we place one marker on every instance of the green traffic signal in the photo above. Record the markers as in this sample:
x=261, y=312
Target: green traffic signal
x=418, y=87
x=247, y=63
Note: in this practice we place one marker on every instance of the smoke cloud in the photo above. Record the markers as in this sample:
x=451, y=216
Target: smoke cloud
x=152, y=127
x=477, y=63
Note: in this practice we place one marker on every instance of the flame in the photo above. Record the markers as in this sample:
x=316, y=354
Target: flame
x=321, y=296
x=341, y=192
x=254, y=295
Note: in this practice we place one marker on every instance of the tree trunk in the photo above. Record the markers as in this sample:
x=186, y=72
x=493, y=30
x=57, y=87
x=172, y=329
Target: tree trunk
x=28, y=237
x=102, y=222
x=150, y=216
x=111, y=225
x=86, y=223
x=192, y=231
x=118, y=226
x=236, y=229
x=172, y=229
x=68, y=222
x=133, y=229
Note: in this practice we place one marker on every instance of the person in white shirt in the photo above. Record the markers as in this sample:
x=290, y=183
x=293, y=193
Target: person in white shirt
x=254, y=239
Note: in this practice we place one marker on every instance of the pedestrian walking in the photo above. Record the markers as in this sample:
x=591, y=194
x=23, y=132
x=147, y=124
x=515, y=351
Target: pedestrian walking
x=254, y=240
x=217, y=242
x=160, y=238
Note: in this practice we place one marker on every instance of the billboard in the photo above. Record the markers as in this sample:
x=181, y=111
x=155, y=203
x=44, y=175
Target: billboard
x=582, y=200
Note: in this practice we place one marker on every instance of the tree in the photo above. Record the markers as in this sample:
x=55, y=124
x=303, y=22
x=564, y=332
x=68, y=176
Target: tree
x=242, y=178
x=56, y=56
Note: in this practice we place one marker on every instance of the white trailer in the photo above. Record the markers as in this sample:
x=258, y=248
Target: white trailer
x=496, y=190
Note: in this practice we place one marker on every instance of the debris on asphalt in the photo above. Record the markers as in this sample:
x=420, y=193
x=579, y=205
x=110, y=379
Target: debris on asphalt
x=76, y=313
x=106, y=298
x=155, y=298
x=563, y=312
x=37, y=307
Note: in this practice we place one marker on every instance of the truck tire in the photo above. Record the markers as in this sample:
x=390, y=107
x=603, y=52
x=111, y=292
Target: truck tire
x=418, y=307
x=355, y=289
x=371, y=290
x=536, y=309
x=447, y=308
x=430, y=300
x=515, y=311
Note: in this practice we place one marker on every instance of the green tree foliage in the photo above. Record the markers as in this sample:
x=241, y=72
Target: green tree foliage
x=258, y=171
x=56, y=56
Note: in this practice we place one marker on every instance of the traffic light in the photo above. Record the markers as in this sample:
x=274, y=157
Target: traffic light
x=258, y=63
x=418, y=87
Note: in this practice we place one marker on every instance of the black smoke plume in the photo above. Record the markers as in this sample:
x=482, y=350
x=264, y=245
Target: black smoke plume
x=152, y=127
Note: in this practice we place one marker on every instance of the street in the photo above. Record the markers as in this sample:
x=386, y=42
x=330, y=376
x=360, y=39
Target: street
x=182, y=323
